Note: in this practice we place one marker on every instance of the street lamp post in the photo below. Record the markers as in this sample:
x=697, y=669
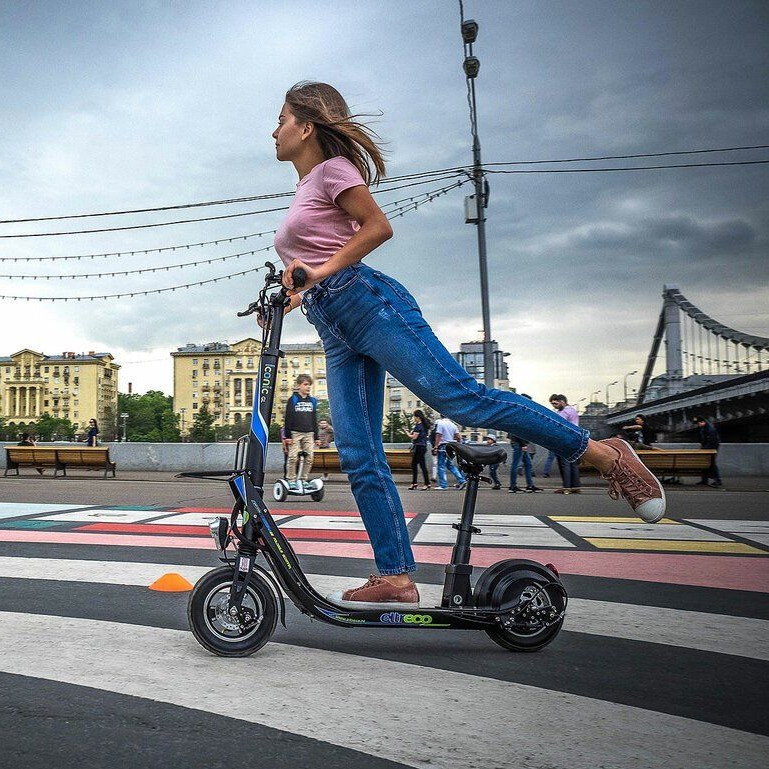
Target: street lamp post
x=124, y=419
x=611, y=384
x=626, y=376
x=593, y=394
x=182, y=412
x=475, y=207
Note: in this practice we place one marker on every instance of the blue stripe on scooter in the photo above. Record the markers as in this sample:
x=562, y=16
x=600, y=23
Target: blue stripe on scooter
x=259, y=429
x=241, y=486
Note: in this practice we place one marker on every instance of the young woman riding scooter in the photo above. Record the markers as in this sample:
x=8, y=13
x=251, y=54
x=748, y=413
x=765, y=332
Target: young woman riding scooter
x=369, y=324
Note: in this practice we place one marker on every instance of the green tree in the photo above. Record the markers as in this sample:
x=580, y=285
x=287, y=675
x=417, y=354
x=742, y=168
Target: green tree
x=203, y=426
x=151, y=417
x=396, y=428
x=49, y=428
x=323, y=409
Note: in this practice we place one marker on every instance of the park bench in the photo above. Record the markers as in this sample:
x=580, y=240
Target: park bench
x=60, y=459
x=327, y=460
x=29, y=456
x=669, y=464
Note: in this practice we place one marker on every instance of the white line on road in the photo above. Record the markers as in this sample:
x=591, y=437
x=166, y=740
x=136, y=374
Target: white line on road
x=421, y=716
x=739, y=636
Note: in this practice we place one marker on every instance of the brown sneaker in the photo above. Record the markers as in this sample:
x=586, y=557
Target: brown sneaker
x=630, y=478
x=378, y=592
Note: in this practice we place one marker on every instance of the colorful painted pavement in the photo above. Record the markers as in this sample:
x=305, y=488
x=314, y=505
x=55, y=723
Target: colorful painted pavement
x=709, y=553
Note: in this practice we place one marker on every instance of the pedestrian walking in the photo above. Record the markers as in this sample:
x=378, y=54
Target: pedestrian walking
x=446, y=431
x=369, y=324
x=491, y=440
x=301, y=428
x=548, y=464
x=522, y=456
x=709, y=439
x=419, y=433
x=569, y=469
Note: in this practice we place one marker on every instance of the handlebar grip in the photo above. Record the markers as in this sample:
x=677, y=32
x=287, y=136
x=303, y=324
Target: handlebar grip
x=300, y=277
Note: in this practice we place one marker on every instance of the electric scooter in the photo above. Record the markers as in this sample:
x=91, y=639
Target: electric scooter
x=314, y=488
x=233, y=610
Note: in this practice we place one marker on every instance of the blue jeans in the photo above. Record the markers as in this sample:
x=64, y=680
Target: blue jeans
x=370, y=324
x=493, y=474
x=549, y=462
x=518, y=452
x=444, y=463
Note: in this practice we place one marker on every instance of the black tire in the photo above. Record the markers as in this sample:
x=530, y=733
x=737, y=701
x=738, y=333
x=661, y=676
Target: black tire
x=505, y=584
x=318, y=495
x=214, y=629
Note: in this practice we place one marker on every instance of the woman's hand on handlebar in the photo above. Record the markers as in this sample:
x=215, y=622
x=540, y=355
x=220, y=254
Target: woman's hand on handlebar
x=313, y=276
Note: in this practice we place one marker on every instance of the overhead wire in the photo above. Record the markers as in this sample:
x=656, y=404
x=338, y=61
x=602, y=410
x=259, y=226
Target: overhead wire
x=110, y=273
x=384, y=184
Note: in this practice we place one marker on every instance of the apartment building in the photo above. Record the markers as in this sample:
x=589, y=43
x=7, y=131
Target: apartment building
x=73, y=386
x=224, y=376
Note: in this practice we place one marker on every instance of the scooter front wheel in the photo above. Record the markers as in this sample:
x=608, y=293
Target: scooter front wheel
x=216, y=629
x=280, y=491
x=531, y=602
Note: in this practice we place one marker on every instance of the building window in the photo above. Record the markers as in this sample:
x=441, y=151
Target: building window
x=194, y=405
x=194, y=361
x=194, y=395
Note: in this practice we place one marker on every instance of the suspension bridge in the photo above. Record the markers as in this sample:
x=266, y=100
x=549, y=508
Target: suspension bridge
x=711, y=370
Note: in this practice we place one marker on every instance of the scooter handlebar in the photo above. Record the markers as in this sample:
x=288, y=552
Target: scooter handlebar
x=300, y=277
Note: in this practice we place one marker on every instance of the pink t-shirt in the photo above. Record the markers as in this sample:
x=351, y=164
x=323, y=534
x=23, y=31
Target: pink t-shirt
x=315, y=228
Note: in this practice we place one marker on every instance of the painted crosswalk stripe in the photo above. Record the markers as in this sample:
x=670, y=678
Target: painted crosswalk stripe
x=738, y=636
x=490, y=722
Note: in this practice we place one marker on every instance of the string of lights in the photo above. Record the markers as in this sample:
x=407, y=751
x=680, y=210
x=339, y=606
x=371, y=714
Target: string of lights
x=144, y=226
x=177, y=247
x=138, y=252
x=397, y=212
x=119, y=273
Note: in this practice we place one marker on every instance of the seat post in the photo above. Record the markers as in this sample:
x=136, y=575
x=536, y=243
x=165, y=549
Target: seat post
x=457, y=591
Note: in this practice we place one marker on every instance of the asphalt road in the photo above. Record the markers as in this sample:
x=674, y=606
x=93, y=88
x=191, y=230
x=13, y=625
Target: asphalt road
x=662, y=661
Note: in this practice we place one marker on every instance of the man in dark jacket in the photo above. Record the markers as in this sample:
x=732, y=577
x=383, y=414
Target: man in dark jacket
x=709, y=439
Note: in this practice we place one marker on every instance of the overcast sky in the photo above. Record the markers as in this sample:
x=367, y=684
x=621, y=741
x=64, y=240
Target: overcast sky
x=120, y=105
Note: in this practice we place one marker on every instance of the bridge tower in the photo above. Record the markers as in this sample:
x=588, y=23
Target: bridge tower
x=671, y=319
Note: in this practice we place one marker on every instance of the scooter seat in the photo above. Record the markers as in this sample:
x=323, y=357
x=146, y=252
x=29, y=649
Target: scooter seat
x=476, y=455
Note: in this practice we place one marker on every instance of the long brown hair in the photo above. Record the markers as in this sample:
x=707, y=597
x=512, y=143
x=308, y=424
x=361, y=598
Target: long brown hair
x=339, y=133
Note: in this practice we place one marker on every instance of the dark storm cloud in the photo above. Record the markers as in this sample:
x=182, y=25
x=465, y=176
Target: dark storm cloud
x=177, y=103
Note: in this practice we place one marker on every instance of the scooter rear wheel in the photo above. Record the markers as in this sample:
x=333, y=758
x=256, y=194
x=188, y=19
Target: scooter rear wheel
x=220, y=633
x=317, y=495
x=507, y=586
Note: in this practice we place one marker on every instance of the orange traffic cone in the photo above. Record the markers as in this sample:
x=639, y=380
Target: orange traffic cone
x=171, y=583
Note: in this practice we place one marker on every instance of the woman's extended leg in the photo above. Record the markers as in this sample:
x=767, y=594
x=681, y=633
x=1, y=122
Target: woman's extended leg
x=389, y=327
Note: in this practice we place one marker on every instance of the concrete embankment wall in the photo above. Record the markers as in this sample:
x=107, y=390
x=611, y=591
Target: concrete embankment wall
x=735, y=459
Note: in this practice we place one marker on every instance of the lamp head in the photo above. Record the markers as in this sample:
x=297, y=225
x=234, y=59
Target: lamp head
x=469, y=30
x=471, y=65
